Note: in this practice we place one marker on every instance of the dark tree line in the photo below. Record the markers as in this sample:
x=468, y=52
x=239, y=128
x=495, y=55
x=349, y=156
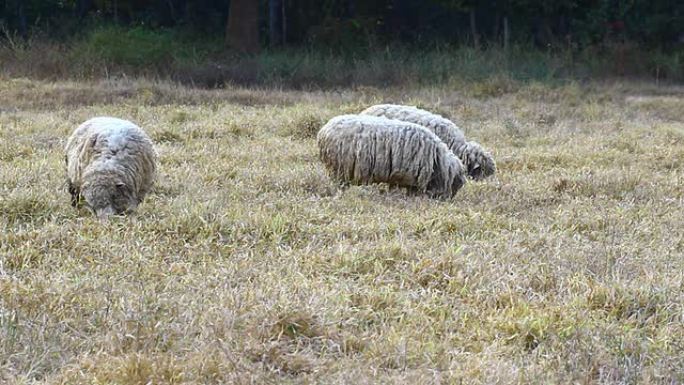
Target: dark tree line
x=348, y=24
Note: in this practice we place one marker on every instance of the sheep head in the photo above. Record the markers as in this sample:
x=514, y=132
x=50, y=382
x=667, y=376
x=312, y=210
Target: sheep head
x=107, y=195
x=479, y=163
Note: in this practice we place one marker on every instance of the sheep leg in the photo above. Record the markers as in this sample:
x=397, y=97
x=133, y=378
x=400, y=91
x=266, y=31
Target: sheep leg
x=75, y=195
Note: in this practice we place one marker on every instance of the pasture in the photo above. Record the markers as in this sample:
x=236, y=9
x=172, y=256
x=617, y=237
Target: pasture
x=247, y=264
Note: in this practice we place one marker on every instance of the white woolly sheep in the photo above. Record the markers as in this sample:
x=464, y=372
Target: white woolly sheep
x=361, y=149
x=111, y=164
x=478, y=162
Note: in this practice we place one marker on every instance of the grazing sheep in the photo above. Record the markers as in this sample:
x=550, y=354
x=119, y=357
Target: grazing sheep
x=479, y=163
x=366, y=149
x=111, y=164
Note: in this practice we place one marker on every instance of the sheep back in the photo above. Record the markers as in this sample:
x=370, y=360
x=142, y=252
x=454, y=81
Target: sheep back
x=478, y=162
x=444, y=128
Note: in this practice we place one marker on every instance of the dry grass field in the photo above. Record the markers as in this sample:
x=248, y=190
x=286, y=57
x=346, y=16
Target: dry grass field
x=246, y=264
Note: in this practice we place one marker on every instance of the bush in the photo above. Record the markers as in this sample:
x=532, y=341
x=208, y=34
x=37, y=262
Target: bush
x=140, y=47
x=134, y=47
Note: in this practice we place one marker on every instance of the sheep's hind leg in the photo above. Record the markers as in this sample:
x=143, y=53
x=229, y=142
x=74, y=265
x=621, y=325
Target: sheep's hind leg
x=75, y=195
x=412, y=191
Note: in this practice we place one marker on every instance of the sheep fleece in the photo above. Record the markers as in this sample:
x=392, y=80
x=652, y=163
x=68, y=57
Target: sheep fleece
x=367, y=149
x=106, y=158
x=478, y=161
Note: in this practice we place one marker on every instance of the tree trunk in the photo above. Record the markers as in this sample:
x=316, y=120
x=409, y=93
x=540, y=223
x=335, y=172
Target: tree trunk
x=506, y=34
x=242, y=31
x=22, y=25
x=498, y=22
x=284, y=15
x=172, y=11
x=83, y=7
x=275, y=22
x=349, y=9
x=473, y=29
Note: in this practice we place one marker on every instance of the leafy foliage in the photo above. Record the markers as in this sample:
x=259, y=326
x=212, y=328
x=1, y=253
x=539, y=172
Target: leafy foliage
x=351, y=23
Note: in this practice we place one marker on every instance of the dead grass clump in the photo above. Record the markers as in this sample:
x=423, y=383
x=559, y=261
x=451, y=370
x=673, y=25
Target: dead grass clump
x=179, y=117
x=233, y=128
x=293, y=325
x=673, y=133
x=293, y=341
x=493, y=87
x=372, y=309
x=666, y=108
x=442, y=273
x=667, y=160
x=17, y=209
x=275, y=358
x=11, y=151
x=315, y=182
x=517, y=131
x=384, y=259
x=45, y=96
x=633, y=304
x=630, y=144
x=538, y=162
x=183, y=229
x=310, y=181
x=22, y=256
x=529, y=327
x=590, y=185
x=166, y=136
x=130, y=369
x=307, y=126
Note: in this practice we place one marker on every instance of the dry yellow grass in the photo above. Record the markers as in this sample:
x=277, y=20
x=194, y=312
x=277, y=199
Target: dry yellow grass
x=248, y=265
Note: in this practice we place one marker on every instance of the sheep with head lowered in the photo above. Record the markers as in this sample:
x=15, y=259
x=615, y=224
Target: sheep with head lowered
x=110, y=164
x=478, y=162
x=362, y=149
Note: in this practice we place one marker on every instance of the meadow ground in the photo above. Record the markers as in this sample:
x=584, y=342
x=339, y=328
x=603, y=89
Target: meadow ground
x=246, y=264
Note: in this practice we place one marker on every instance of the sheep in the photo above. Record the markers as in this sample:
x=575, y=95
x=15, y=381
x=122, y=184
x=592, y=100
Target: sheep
x=110, y=164
x=358, y=149
x=479, y=163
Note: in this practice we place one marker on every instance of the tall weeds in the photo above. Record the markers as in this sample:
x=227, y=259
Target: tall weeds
x=112, y=51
